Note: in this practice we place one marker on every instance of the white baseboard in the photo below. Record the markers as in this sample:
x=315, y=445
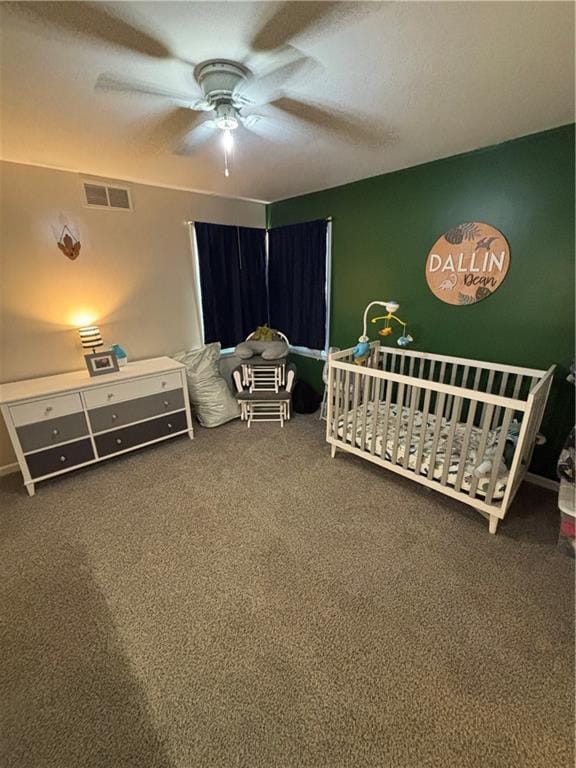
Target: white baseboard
x=7, y=469
x=543, y=482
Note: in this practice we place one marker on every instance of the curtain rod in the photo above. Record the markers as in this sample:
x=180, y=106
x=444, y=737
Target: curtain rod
x=197, y=221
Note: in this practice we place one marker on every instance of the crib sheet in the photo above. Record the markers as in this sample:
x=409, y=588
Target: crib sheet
x=419, y=427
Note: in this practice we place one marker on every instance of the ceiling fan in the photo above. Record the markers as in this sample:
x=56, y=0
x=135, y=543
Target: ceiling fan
x=225, y=90
x=220, y=82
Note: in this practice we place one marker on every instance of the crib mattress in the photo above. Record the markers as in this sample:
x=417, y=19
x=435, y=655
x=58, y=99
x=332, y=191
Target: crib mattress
x=425, y=428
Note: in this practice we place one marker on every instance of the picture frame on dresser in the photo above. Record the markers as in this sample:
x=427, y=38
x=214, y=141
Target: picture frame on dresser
x=60, y=423
x=100, y=363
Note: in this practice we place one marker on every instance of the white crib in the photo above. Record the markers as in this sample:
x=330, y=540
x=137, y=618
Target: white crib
x=466, y=428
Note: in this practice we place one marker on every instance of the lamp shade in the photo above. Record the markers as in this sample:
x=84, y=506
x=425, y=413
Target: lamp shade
x=90, y=337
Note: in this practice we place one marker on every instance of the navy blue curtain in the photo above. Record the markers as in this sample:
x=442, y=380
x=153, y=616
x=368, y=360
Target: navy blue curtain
x=297, y=282
x=232, y=264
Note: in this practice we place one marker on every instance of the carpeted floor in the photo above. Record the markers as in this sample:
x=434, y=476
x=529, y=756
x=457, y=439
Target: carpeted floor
x=244, y=600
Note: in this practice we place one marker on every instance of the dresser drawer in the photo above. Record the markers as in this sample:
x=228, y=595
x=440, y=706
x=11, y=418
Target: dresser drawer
x=129, y=390
x=46, y=433
x=111, y=416
x=146, y=431
x=58, y=459
x=46, y=409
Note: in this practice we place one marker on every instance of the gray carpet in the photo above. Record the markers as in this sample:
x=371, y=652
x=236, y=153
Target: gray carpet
x=244, y=600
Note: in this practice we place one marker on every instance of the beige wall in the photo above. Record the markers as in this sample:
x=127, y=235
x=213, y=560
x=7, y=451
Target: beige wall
x=133, y=277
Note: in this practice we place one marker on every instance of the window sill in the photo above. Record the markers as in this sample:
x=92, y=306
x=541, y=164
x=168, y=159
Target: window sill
x=316, y=354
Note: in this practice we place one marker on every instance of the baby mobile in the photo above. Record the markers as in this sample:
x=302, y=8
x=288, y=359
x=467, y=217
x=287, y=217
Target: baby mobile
x=361, y=351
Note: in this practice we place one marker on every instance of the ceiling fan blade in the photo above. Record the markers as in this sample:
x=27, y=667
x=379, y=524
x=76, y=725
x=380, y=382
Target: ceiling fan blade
x=249, y=121
x=264, y=88
x=294, y=19
x=333, y=121
x=173, y=127
x=197, y=136
x=96, y=22
x=106, y=82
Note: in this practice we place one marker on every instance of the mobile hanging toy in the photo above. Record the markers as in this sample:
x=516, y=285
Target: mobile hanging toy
x=362, y=349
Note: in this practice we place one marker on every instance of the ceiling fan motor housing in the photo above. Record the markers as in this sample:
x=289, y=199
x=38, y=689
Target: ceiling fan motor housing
x=218, y=79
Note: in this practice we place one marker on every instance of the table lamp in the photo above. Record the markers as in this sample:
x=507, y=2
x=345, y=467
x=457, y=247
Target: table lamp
x=90, y=337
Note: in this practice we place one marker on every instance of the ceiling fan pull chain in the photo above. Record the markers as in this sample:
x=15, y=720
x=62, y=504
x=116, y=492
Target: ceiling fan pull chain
x=226, y=167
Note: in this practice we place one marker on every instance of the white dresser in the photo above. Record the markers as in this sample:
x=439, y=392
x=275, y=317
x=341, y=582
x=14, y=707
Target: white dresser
x=60, y=423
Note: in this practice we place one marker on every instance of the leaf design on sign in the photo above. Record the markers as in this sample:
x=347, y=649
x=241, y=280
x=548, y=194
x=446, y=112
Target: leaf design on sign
x=466, y=231
x=482, y=292
x=465, y=298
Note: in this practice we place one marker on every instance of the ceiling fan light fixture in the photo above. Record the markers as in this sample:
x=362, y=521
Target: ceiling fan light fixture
x=226, y=118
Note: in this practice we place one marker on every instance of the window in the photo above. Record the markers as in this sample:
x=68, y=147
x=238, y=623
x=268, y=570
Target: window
x=248, y=277
x=297, y=283
x=232, y=278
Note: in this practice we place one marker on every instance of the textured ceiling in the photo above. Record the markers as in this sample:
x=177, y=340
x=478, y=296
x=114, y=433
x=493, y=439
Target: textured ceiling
x=388, y=85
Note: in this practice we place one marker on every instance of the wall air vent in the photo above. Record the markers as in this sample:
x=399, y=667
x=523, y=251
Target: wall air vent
x=105, y=196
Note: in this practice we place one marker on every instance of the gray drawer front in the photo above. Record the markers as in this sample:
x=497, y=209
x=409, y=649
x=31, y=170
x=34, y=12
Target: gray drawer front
x=111, y=416
x=136, y=434
x=58, y=459
x=47, y=433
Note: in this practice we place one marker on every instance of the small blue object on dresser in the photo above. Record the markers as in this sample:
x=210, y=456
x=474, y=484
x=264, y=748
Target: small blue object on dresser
x=119, y=354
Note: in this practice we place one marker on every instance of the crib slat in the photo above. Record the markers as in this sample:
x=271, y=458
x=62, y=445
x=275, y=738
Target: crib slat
x=497, y=458
x=366, y=397
x=409, y=387
x=442, y=372
x=465, y=373
x=465, y=444
x=380, y=387
x=486, y=420
x=455, y=415
x=438, y=411
x=423, y=431
x=490, y=382
x=388, y=397
x=450, y=398
x=399, y=420
x=477, y=377
x=421, y=368
x=337, y=402
x=501, y=391
x=384, y=358
x=355, y=398
x=346, y=407
x=408, y=440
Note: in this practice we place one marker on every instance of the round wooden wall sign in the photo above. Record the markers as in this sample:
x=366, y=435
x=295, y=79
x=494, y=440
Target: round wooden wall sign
x=468, y=263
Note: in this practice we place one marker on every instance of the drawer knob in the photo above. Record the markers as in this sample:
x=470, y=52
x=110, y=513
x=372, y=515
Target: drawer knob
x=110, y=395
x=114, y=416
x=48, y=409
x=169, y=425
x=163, y=383
x=62, y=458
x=166, y=403
x=118, y=441
x=55, y=431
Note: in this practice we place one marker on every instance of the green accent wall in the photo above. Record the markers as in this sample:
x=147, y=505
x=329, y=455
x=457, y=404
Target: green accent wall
x=384, y=227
